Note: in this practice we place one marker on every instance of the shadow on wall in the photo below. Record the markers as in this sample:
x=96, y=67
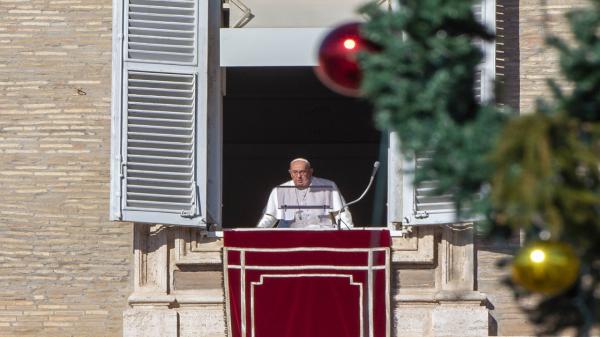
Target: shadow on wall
x=507, y=53
x=492, y=326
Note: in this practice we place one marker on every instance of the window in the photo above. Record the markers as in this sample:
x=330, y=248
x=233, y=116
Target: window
x=166, y=152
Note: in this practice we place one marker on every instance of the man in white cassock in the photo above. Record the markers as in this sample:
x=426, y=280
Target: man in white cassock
x=305, y=202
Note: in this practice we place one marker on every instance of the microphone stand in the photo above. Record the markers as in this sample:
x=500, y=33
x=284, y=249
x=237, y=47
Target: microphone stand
x=345, y=205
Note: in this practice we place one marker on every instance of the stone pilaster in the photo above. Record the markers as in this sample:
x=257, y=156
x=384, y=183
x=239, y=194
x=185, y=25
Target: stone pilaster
x=461, y=309
x=149, y=314
x=434, y=288
x=197, y=282
x=178, y=283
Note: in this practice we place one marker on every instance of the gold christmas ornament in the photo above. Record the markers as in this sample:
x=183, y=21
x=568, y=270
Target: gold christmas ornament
x=545, y=267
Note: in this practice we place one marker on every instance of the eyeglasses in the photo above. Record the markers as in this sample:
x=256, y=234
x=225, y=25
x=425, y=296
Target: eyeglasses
x=298, y=173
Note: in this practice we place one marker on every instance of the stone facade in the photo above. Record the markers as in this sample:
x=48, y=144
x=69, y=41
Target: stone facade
x=178, y=280
x=537, y=62
x=65, y=270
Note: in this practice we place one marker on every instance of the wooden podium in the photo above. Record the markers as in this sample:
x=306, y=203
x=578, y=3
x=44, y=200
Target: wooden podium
x=307, y=283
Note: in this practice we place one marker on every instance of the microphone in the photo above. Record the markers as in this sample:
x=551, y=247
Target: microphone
x=373, y=173
x=375, y=168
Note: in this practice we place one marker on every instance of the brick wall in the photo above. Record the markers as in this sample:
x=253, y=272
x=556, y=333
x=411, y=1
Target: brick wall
x=64, y=268
x=537, y=19
x=524, y=65
x=506, y=318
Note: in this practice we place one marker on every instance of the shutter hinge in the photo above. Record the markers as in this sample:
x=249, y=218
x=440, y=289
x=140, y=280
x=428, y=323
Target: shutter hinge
x=122, y=171
x=421, y=215
x=119, y=193
x=405, y=230
x=194, y=210
x=187, y=214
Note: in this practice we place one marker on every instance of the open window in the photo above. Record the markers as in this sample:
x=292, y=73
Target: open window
x=174, y=160
x=274, y=114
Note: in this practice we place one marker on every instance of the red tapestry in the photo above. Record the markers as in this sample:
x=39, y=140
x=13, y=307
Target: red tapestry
x=307, y=283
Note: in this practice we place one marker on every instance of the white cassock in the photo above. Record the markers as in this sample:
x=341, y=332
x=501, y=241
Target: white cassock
x=306, y=208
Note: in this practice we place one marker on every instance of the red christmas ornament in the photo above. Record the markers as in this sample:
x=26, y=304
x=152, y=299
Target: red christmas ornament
x=338, y=65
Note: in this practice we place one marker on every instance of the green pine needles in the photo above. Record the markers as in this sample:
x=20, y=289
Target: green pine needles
x=422, y=84
x=536, y=172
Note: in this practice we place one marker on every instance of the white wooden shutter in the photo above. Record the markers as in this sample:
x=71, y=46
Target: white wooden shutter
x=162, y=31
x=160, y=110
x=160, y=143
x=420, y=205
x=485, y=11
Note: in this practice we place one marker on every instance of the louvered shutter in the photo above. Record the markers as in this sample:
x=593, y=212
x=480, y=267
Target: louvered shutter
x=485, y=11
x=159, y=139
x=162, y=31
x=160, y=143
x=420, y=205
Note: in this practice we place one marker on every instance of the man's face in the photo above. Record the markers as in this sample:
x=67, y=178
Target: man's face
x=301, y=173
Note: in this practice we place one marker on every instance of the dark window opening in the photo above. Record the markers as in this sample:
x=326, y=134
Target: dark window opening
x=274, y=114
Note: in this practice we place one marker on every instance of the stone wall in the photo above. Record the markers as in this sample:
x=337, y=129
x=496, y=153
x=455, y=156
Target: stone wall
x=506, y=318
x=537, y=19
x=524, y=64
x=64, y=268
x=178, y=281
